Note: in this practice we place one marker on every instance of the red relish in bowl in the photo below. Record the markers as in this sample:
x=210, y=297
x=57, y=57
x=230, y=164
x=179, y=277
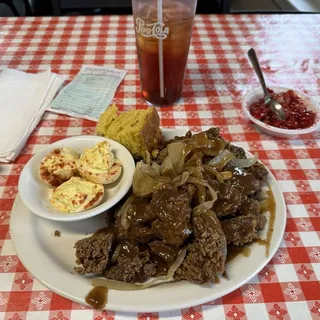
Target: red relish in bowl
x=297, y=114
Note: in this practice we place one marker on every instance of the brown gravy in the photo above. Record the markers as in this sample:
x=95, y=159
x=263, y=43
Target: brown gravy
x=234, y=251
x=261, y=242
x=97, y=297
x=269, y=204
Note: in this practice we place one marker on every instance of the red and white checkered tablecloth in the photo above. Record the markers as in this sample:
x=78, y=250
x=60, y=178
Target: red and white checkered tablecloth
x=217, y=76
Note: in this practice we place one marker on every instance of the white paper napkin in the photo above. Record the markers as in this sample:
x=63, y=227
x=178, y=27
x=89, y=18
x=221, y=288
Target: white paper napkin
x=24, y=98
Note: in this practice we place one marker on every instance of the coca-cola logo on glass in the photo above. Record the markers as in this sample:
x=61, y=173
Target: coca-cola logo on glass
x=156, y=29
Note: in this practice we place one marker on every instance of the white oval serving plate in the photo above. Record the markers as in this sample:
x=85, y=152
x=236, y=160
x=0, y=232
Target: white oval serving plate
x=35, y=194
x=45, y=255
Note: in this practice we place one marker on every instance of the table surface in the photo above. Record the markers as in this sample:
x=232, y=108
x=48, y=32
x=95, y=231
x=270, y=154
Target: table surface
x=217, y=76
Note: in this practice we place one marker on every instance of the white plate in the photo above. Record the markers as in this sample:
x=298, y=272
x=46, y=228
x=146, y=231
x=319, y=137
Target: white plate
x=45, y=255
x=35, y=194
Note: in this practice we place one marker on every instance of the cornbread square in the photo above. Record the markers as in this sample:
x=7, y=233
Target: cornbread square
x=138, y=130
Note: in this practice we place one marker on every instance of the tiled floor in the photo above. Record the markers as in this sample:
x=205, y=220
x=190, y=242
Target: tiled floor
x=306, y=5
x=275, y=5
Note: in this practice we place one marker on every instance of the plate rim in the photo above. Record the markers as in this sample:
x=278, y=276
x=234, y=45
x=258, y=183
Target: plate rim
x=163, y=308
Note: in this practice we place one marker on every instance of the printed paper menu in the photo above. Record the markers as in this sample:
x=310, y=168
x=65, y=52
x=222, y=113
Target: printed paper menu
x=90, y=93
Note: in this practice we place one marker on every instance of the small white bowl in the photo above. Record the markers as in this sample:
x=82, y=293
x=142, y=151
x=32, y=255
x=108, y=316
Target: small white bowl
x=255, y=94
x=35, y=194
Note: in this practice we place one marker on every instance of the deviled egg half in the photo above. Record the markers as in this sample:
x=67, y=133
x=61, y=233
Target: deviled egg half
x=99, y=165
x=58, y=166
x=77, y=195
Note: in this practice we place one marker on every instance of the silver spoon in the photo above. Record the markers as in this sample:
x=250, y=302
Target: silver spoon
x=274, y=105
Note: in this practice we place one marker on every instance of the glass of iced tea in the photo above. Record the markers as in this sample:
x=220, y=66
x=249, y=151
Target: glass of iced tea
x=163, y=32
